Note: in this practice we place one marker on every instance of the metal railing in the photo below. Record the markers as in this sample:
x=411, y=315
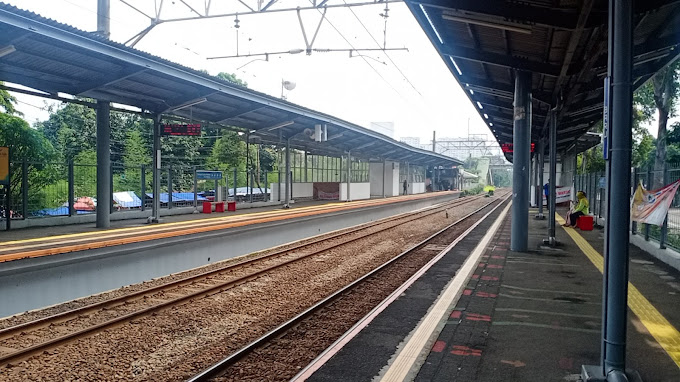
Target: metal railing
x=669, y=233
x=66, y=189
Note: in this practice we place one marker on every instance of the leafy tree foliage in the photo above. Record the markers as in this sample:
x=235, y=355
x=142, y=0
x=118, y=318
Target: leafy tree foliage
x=7, y=102
x=29, y=145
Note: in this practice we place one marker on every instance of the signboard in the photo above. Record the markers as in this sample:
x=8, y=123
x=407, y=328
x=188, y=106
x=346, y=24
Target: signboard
x=605, y=121
x=4, y=165
x=563, y=195
x=507, y=147
x=208, y=174
x=181, y=130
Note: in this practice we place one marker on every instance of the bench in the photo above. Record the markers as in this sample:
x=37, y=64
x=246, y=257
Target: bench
x=585, y=222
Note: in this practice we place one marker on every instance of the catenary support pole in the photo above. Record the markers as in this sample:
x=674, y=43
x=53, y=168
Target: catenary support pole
x=156, y=174
x=552, y=188
x=288, y=180
x=521, y=162
x=104, y=197
x=541, y=167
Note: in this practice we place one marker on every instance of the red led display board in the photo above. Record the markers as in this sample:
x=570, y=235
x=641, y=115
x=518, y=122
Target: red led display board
x=181, y=130
x=507, y=147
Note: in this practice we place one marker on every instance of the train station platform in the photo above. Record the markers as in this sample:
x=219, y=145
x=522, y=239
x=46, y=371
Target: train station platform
x=33, y=262
x=511, y=316
x=41, y=241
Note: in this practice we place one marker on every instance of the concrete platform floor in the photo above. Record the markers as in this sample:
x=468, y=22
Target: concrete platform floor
x=523, y=316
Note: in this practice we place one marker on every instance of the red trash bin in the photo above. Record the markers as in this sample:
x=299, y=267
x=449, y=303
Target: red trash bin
x=219, y=207
x=207, y=207
x=585, y=223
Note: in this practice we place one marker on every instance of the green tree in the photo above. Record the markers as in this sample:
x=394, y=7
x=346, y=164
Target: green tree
x=7, y=102
x=660, y=95
x=232, y=78
x=27, y=144
x=71, y=129
x=136, y=155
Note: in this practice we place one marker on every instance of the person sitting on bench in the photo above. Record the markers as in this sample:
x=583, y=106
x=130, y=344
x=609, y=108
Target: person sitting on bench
x=580, y=209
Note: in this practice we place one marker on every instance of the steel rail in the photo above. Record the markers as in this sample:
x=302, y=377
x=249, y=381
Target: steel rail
x=213, y=289
x=217, y=368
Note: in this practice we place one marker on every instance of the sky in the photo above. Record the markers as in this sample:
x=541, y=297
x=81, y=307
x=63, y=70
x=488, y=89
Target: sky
x=413, y=89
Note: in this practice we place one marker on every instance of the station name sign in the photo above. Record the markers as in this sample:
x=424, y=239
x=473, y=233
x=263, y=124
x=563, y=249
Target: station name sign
x=507, y=147
x=181, y=130
x=201, y=174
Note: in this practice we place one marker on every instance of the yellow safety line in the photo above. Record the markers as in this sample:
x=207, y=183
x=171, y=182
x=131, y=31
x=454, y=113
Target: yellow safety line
x=663, y=331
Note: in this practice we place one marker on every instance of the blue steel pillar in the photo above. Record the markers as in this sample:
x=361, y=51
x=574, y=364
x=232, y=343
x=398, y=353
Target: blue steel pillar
x=521, y=162
x=615, y=282
x=104, y=197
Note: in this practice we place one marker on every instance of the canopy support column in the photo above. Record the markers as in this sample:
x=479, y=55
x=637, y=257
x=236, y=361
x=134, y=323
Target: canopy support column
x=286, y=203
x=615, y=282
x=541, y=166
x=156, y=206
x=521, y=162
x=104, y=196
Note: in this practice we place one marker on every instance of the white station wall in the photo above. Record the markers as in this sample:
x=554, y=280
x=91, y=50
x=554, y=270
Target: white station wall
x=391, y=179
x=300, y=190
x=357, y=191
x=417, y=188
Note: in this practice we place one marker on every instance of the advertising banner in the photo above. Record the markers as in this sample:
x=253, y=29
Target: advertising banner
x=563, y=195
x=651, y=207
x=4, y=165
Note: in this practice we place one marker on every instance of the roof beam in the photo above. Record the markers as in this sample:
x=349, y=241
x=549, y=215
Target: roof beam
x=521, y=12
x=110, y=80
x=502, y=60
x=238, y=113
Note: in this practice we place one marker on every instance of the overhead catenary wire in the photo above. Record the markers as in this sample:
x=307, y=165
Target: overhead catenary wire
x=362, y=57
x=387, y=55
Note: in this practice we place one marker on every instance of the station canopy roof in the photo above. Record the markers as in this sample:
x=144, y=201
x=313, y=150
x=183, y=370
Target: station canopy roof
x=43, y=54
x=562, y=42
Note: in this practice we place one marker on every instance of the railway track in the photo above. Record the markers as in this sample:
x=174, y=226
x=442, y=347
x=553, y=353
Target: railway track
x=265, y=345
x=22, y=341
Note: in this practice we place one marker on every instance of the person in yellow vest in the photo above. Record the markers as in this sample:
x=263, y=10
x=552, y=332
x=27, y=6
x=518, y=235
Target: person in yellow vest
x=582, y=208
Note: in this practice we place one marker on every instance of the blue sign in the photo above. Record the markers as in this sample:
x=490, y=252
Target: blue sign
x=208, y=174
x=605, y=121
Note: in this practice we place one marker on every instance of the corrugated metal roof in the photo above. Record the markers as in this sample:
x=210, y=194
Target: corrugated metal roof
x=536, y=35
x=54, y=57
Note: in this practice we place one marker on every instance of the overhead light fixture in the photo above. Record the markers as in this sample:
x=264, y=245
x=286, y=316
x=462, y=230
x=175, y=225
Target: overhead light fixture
x=280, y=125
x=427, y=16
x=486, y=116
x=486, y=24
x=480, y=105
x=189, y=104
x=7, y=50
x=456, y=65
